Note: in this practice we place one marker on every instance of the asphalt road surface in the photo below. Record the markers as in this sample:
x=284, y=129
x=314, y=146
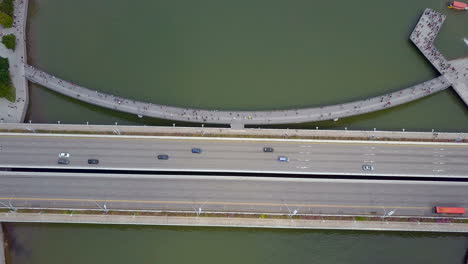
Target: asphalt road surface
x=227, y=194
x=311, y=157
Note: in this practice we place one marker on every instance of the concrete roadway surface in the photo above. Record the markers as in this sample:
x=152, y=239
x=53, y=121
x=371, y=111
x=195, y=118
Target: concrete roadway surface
x=238, y=155
x=227, y=194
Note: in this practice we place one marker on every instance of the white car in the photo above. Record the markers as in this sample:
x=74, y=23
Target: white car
x=64, y=155
x=367, y=167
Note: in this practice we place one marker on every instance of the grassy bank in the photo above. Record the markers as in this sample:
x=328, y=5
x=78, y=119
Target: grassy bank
x=7, y=90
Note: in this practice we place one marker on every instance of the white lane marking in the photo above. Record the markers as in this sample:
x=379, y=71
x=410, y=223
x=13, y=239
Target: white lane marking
x=368, y=161
x=438, y=170
x=369, y=154
x=438, y=163
x=304, y=152
x=302, y=167
x=441, y=156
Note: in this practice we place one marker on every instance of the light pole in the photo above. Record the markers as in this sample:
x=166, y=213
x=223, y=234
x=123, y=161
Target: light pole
x=103, y=208
x=389, y=213
x=9, y=206
x=291, y=213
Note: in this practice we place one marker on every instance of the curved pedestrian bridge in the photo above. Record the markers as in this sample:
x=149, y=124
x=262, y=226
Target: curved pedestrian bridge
x=236, y=118
x=423, y=36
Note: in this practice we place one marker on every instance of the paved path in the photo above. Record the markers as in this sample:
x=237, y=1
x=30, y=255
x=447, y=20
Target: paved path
x=370, y=135
x=423, y=37
x=309, y=157
x=236, y=119
x=14, y=112
x=233, y=222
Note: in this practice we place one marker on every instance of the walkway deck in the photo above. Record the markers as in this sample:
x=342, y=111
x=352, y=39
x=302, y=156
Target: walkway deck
x=14, y=112
x=236, y=118
x=453, y=74
x=423, y=37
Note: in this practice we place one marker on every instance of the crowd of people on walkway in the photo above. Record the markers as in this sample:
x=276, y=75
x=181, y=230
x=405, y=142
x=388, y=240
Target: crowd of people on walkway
x=424, y=36
x=227, y=117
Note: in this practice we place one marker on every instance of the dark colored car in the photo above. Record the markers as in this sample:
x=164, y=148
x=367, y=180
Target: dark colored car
x=63, y=161
x=93, y=161
x=196, y=150
x=267, y=149
x=163, y=157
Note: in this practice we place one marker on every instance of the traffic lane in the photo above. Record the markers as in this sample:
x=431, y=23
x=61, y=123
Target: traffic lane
x=236, y=152
x=141, y=151
x=208, y=204
x=66, y=143
x=256, y=162
x=145, y=149
x=232, y=195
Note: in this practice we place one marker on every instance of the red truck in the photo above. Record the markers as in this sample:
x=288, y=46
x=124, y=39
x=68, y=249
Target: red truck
x=449, y=210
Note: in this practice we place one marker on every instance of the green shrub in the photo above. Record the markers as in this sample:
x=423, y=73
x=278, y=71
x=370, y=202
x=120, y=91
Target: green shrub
x=6, y=20
x=9, y=41
x=6, y=87
x=361, y=218
x=8, y=7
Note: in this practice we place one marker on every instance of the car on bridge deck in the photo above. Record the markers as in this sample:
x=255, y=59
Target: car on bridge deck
x=197, y=150
x=64, y=155
x=268, y=149
x=283, y=159
x=63, y=161
x=93, y=161
x=163, y=157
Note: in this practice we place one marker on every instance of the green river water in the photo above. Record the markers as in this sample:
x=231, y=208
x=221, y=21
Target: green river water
x=238, y=55
x=242, y=55
x=79, y=244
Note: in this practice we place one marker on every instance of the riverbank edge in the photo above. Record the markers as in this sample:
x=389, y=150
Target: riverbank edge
x=373, y=135
x=3, y=243
x=232, y=222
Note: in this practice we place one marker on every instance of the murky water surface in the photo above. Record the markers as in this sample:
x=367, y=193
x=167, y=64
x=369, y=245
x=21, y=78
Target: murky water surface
x=242, y=55
x=77, y=244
